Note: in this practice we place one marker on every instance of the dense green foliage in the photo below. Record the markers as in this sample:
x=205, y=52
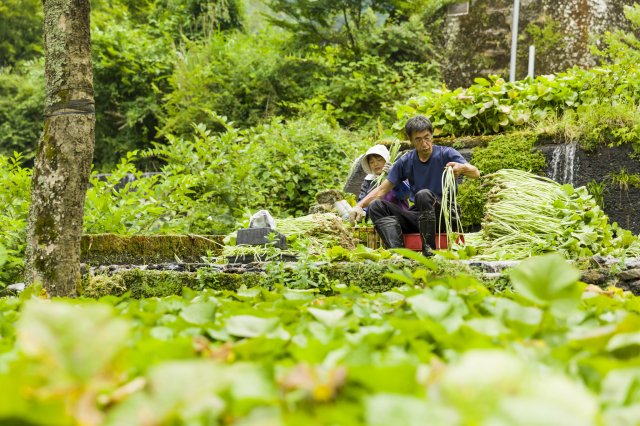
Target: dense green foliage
x=438, y=348
x=596, y=104
x=21, y=31
x=207, y=184
x=165, y=64
x=21, y=107
x=14, y=197
x=134, y=50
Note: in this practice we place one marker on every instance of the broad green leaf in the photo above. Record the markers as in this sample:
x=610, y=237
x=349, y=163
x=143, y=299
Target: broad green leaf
x=621, y=387
x=399, y=378
x=626, y=344
x=330, y=318
x=199, y=313
x=426, y=306
x=249, y=326
x=418, y=257
x=388, y=409
x=547, y=280
x=162, y=333
x=74, y=340
x=469, y=112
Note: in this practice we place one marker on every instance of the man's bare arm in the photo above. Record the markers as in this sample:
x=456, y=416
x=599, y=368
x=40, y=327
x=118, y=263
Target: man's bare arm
x=466, y=169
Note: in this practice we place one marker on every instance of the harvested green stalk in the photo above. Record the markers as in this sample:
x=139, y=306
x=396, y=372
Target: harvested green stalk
x=527, y=215
x=311, y=234
x=448, y=205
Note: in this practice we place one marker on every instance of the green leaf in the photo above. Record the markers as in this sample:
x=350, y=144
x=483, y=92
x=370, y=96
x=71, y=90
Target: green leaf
x=427, y=307
x=389, y=409
x=249, y=326
x=626, y=344
x=469, y=112
x=330, y=318
x=418, y=257
x=548, y=281
x=75, y=341
x=199, y=313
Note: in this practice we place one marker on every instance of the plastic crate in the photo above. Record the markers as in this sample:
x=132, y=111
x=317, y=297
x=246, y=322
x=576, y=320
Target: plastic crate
x=414, y=242
x=367, y=235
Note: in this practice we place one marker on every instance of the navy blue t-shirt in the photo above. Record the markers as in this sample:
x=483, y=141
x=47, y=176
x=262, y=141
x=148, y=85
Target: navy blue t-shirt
x=424, y=175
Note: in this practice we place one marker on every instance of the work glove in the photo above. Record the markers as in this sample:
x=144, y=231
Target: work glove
x=387, y=167
x=356, y=215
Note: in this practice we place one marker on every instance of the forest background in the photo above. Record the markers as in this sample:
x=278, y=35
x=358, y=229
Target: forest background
x=311, y=83
x=243, y=104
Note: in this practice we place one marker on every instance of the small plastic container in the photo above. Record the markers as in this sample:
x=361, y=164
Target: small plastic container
x=343, y=209
x=414, y=242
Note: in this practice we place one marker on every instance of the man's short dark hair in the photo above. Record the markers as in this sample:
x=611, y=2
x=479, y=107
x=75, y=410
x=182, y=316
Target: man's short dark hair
x=416, y=124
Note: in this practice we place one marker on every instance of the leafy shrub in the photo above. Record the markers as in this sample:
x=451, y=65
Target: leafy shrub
x=245, y=77
x=21, y=106
x=155, y=204
x=276, y=166
x=14, y=197
x=131, y=67
x=622, y=47
x=295, y=160
x=365, y=90
x=21, y=31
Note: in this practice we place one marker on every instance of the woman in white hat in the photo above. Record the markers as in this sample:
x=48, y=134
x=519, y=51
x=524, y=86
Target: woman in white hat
x=374, y=162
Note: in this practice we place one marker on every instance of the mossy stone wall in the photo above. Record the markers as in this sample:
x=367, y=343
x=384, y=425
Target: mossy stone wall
x=111, y=249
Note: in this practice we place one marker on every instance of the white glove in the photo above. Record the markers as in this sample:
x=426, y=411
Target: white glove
x=387, y=167
x=356, y=215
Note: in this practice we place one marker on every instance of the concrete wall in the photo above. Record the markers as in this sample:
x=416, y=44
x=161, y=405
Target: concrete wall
x=479, y=43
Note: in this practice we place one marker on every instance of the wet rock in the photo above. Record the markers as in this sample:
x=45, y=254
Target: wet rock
x=492, y=267
x=632, y=286
x=595, y=276
x=629, y=275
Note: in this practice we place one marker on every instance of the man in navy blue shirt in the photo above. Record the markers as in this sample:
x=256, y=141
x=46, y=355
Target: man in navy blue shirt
x=423, y=168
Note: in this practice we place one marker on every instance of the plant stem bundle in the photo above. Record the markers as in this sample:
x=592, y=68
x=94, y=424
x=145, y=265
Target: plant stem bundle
x=528, y=215
x=449, y=205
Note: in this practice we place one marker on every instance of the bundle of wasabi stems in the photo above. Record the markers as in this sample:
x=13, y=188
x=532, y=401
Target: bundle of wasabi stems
x=528, y=215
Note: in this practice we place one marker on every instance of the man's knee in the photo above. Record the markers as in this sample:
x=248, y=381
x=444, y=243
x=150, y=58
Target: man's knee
x=425, y=200
x=377, y=209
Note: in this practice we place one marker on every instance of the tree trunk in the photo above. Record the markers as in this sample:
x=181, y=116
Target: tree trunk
x=65, y=150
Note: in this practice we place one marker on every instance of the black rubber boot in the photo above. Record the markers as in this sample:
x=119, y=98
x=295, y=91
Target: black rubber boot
x=390, y=231
x=427, y=227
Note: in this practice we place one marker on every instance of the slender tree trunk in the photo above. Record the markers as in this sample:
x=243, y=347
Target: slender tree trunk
x=65, y=150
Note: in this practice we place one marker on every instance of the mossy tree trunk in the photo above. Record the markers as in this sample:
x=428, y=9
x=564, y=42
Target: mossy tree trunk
x=65, y=150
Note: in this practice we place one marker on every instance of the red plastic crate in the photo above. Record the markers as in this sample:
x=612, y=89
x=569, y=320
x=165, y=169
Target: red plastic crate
x=414, y=242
